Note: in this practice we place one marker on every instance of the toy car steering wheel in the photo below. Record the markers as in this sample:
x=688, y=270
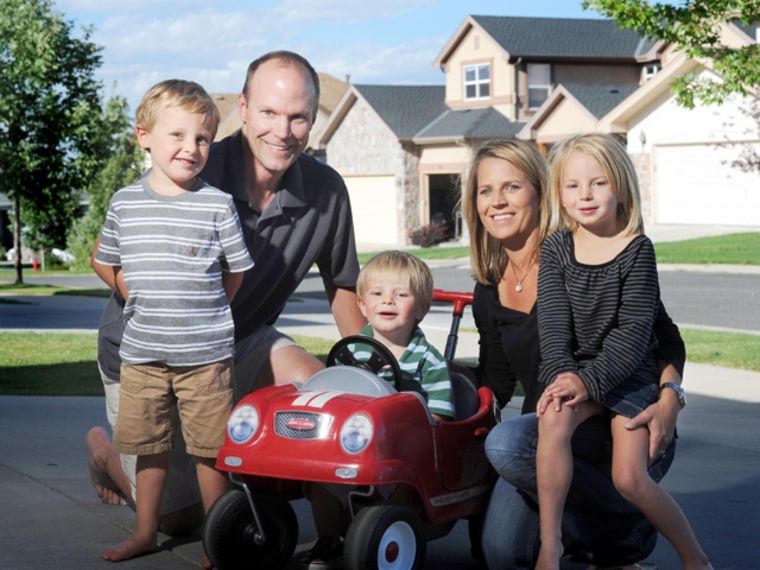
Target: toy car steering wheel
x=380, y=357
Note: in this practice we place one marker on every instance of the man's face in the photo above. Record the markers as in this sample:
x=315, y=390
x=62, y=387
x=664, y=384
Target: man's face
x=277, y=115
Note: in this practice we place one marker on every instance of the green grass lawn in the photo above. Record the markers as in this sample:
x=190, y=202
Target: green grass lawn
x=735, y=249
x=63, y=364
x=37, y=289
x=742, y=249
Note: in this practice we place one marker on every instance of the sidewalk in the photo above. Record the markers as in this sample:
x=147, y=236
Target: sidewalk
x=52, y=519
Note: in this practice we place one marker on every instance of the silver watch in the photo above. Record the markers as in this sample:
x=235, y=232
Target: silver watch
x=680, y=394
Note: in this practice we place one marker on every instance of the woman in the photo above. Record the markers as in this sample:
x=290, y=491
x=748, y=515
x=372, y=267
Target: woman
x=506, y=209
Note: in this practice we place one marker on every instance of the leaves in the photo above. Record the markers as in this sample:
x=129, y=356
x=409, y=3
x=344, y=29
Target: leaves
x=695, y=26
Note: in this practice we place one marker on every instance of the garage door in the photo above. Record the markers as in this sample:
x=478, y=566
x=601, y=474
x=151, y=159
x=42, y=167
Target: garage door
x=374, y=209
x=695, y=184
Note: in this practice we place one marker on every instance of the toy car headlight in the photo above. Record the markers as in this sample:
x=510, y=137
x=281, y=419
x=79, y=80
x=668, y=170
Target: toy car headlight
x=356, y=434
x=243, y=424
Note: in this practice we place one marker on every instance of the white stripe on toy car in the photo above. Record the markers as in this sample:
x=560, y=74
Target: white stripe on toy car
x=315, y=399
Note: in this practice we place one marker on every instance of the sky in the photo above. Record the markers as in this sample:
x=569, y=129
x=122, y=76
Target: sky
x=386, y=42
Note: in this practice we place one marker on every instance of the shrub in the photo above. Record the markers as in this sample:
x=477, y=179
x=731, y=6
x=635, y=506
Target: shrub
x=432, y=234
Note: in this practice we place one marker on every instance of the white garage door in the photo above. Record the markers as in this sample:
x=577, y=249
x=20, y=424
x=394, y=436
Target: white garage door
x=695, y=184
x=374, y=209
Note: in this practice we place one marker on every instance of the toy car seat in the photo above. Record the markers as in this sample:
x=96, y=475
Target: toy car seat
x=466, y=399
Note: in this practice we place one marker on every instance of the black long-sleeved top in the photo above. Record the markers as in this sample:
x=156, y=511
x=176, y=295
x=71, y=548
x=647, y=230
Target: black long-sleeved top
x=509, y=350
x=597, y=320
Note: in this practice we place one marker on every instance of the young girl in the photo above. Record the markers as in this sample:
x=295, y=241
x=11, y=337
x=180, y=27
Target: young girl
x=598, y=293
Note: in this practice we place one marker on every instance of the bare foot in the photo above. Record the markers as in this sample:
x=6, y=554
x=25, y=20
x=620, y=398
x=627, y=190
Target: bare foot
x=99, y=452
x=133, y=546
x=207, y=563
x=548, y=557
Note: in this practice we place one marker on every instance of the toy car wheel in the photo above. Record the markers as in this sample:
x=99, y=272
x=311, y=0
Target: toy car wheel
x=380, y=357
x=385, y=537
x=232, y=540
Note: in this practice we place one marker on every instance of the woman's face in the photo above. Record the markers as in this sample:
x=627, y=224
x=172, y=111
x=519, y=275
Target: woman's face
x=507, y=202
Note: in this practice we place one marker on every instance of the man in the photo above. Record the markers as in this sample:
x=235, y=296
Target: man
x=295, y=213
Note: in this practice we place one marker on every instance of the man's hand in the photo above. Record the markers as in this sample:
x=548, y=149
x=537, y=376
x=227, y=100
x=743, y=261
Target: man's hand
x=661, y=416
x=345, y=310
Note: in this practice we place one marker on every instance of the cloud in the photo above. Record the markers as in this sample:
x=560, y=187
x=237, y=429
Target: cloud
x=146, y=41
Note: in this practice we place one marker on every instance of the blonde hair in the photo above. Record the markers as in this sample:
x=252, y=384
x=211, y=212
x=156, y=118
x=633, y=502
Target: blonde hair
x=402, y=266
x=612, y=156
x=187, y=95
x=487, y=255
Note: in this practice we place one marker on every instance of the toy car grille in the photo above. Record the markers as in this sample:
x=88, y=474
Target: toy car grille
x=299, y=425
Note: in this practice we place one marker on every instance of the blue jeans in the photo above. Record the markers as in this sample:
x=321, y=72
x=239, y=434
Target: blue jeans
x=598, y=526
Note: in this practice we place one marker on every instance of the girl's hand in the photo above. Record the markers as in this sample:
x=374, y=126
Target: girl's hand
x=567, y=389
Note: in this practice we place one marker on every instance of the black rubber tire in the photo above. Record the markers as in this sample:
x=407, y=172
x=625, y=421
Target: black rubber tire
x=385, y=537
x=229, y=532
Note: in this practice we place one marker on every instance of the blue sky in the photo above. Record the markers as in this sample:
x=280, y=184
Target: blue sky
x=212, y=42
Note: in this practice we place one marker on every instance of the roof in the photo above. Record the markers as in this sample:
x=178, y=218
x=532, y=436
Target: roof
x=406, y=109
x=230, y=120
x=555, y=39
x=600, y=99
x=483, y=123
x=331, y=91
x=749, y=29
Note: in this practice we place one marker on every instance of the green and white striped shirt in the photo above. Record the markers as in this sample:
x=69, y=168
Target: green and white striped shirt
x=422, y=364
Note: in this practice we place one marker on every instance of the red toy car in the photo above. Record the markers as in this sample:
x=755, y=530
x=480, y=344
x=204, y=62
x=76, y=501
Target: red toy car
x=347, y=426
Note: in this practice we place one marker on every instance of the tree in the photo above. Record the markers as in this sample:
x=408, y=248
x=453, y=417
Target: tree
x=695, y=25
x=121, y=161
x=49, y=116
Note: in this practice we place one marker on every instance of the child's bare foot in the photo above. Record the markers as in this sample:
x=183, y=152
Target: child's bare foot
x=548, y=556
x=133, y=546
x=207, y=563
x=99, y=452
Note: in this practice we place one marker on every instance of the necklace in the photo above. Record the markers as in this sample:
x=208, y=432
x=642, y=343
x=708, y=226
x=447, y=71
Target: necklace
x=519, y=287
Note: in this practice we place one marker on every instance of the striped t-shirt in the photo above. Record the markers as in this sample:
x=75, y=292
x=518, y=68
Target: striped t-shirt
x=423, y=370
x=172, y=251
x=597, y=320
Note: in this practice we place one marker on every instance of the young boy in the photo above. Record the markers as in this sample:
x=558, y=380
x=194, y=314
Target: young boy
x=176, y=249
x=395, y=291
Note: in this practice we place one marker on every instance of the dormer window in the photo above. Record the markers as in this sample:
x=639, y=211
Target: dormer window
x=650, y=70
x=539, y=84
x=477, y=81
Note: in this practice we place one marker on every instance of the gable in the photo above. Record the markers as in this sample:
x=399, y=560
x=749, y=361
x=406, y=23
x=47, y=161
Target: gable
x=406, y=109
x=572, y=109
x=467, y=124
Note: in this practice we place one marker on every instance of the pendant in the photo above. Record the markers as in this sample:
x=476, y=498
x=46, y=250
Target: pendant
x=518, y=287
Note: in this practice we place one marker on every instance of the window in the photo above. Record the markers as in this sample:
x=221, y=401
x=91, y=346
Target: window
x=650, y=70
x=539, y=83
x=477, y=81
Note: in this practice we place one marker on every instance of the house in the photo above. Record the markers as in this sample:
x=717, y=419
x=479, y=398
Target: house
x=401, y=149
x=684, y=156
